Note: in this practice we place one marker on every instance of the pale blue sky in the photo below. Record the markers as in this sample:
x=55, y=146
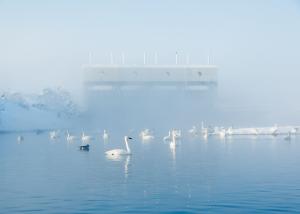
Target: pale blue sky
x=255, y=43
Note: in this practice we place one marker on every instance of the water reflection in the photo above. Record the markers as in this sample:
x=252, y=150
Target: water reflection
x=126, y=166
x=173, y=152
x=121, y=158
x=220, y=175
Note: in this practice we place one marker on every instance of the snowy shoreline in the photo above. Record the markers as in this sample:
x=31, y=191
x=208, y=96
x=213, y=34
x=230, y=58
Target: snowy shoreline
x=50, y=109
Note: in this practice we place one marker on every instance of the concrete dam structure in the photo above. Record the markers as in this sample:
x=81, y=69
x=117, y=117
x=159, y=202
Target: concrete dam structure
x=148, y=93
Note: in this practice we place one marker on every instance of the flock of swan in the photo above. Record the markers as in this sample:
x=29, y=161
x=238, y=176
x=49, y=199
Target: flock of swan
x=174, y=136
x=146, y=136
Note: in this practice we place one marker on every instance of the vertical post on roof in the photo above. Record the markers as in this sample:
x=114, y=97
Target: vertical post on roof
x=155, y=58
x=123, y=58
x=111, y=58
x=90, y=58
x=187, y=59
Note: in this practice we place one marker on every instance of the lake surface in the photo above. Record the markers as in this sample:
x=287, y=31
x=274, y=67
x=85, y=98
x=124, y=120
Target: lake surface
x=233, y=175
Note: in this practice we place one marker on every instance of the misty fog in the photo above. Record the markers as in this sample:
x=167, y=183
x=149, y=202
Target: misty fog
x=255, y=45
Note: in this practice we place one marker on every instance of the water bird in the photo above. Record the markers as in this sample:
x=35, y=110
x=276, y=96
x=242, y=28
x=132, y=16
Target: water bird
x=70, y=138
x=173, y=143
x=222, y=133
x=193, y=131
x=120, y=152
x=274, y=130
x=20, y=138
x=255, y=131
x=294, y=130
x=168, y=137
x=176, y=133
x=146, y=135
x=54, y=135
x=105, y=136
x=85, y=138
x=288, y=137
x=205, y=133
x=229, y=131
x=85, y=147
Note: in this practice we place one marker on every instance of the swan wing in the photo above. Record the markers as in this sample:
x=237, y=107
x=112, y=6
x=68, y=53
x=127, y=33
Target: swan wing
x=116, y=152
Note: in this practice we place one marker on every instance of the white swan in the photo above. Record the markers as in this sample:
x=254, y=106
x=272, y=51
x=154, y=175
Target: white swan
x=173, y=143
x=255, y=131
x=105, y=136
x=294, y=130
x=205, y=133
x=222, y=133
x=119, y=152
x=229, y=131
x=53, y=135
x=70, y=138
x=20, y=138
x=274, y=130
x=168, y=137
x=193, y=131
x=146, y=135
x=177, y=133
x=288, y=137
x=85, y=138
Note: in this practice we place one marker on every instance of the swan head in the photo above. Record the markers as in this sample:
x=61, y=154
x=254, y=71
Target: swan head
x=127, y=138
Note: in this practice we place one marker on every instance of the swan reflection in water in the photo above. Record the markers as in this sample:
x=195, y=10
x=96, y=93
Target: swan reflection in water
x=120, y=158
x=173, y=152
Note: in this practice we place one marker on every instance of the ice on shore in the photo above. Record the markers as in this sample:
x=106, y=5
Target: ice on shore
x=47, y=110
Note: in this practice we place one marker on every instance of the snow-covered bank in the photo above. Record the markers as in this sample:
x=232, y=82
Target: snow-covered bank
x=47, y=110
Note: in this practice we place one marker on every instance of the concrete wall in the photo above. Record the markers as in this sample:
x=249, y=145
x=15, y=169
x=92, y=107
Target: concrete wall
x=144, y=95
x=144, y=74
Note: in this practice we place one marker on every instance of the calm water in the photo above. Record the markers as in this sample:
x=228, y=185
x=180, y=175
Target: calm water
x=236, y=175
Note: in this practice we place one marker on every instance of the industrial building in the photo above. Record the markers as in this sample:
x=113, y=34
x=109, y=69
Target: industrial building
x=145, y=93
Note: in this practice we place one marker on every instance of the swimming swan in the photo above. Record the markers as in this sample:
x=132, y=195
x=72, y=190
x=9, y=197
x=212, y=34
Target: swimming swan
x=274, y=130
x=173, y=143
x=105, y=136
x=85, y=138
x=119, y=152
x=222, y=133
x=193, y=131
x=20, y=138
x=205, y=133
x=53, y=135
x=70, y=138
x=177, y=133
x=146, y=135
x=288, y=137
x=168, y=137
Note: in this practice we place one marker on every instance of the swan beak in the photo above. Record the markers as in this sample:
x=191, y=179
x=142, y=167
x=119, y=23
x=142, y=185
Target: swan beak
x=129, y=138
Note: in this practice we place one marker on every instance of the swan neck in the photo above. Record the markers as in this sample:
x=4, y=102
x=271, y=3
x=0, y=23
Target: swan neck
x=127, y=146
x=173, y=137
